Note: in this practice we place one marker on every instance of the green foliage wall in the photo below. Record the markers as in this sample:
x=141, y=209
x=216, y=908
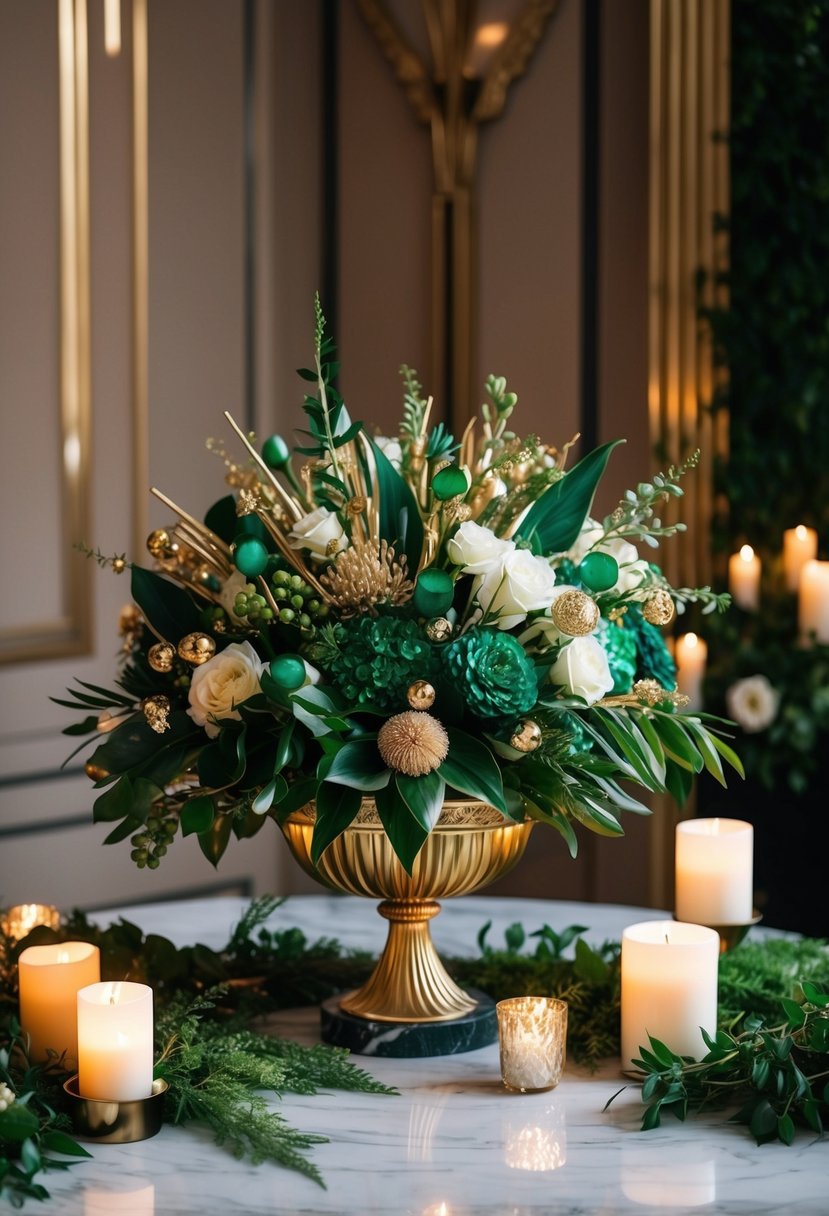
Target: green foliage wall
x=774, y=336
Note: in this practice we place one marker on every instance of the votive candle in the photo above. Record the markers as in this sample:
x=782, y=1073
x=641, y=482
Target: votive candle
x=799, y=547
x=744, y=578
x=813, y=602
x=20, y=919
x=714, y=862
x=115, y=1041
x=532, y=1035
x=669, y=986
x=691, y=654
x=50, y=978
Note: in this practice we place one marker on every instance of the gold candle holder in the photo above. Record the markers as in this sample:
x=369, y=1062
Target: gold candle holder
x=115, y=1122
x=532, y=1035
x=732, y=935
x=22, y=918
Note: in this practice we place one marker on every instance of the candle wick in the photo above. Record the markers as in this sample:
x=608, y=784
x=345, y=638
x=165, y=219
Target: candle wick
x=667, y=943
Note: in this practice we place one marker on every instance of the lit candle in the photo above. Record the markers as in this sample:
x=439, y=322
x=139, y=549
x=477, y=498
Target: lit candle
x=691, y=654
x=799, y=547
x=744, y=578
x=715, y=871
x=22, y=918
x=669, y=986
x=115, y=1042
x=50, y=977
x=813, y=604
x=532, y=1034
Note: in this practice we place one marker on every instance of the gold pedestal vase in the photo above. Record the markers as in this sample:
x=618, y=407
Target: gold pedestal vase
x=471, y=845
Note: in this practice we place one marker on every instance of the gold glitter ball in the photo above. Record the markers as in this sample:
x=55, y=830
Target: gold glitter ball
x=575, y=613
x=158, y=543
x=196, y=648
x=157, y=712
x=526, y=736
x=421, y=695
x=413, y=743
x=129, y=619
x=356, y=506
x=659, y=609
x=161, y=656
x=439, y=629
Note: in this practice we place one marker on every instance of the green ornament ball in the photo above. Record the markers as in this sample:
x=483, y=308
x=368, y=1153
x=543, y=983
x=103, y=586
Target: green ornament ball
x=433, y=593
x=598, y=571
x=288, y=671
x=275, y=452
x=450, y=482
x=250, y=556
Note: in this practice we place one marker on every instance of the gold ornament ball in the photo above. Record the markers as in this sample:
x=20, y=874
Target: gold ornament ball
x=196, y=648
x=161, y=657
x=439, y=629
x=575, y=613
x=527, y=736
x=128, y=619
x=421, y=695
x=659, y=609
x=158, y=542
x=94, y=771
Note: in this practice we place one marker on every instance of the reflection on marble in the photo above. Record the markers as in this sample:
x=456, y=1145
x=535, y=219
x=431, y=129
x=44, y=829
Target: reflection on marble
x=450, y=1143
x=132, y=1197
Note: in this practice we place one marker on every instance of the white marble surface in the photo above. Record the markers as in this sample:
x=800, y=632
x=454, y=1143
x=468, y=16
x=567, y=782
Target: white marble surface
x=454, y=1142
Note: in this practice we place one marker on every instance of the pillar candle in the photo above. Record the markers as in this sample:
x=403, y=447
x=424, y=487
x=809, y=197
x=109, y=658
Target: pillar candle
x=799, y=547
x=714, y=871
x=691, y=653
x=50, y=977
x=115, y=1041
x=669, y=986
x=744, y=578
x=813, y=603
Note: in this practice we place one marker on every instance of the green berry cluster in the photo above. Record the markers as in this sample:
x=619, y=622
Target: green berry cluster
x=252, y=606
x=152, y=842
x=298, y=602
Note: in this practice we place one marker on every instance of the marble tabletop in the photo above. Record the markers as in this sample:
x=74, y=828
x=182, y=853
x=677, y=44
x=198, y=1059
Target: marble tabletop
x=454, y=1142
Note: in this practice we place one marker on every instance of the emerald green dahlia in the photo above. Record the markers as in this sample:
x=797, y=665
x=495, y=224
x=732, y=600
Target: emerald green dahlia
x=492, y=673
x=654, y=660
x=619, y=644
x=378, y=659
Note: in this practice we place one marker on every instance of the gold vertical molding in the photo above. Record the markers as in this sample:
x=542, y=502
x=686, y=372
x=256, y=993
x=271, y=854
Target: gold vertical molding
x=140, y=278
x=688, y=186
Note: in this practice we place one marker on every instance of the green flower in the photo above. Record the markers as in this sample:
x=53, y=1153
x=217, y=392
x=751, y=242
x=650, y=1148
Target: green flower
x=492, y=673
x=377, y=658
x=654, y=661
x=619, y=644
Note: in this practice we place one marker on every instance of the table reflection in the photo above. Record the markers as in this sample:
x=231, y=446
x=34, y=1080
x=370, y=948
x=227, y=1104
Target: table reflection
x=657, y=1176
x=133, y=1197
x=537, y=1144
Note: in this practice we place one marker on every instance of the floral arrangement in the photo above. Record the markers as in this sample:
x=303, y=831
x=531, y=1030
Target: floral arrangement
x=409, y=618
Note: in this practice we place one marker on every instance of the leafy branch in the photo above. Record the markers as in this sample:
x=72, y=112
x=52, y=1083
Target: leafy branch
x=635, y=516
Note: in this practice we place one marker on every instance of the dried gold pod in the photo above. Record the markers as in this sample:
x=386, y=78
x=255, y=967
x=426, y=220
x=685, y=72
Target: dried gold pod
x=659, y=608
x=161, y=657
x=196, y=648
x=157, y=712
x=439, y=629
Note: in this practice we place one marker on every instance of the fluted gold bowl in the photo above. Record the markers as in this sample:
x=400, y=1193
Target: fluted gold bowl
x=471, y=845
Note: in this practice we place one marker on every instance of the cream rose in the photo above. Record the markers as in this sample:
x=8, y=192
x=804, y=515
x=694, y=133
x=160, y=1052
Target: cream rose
x=519, y=584
x=222, y=683
x=320, y=532
x=752, y=703
x=583, y=670
x=476, y=549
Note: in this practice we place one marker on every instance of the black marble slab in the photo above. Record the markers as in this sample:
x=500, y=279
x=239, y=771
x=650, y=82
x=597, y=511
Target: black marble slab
x=409, y=1040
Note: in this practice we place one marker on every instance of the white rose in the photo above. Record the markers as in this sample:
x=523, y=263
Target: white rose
x=521, y=583
x=752, y=703
x=222, y=683
x=632, y=576
x=391, y=449
x=319, y=532
x=476, y=549
x=543, y=631
x=582, y=668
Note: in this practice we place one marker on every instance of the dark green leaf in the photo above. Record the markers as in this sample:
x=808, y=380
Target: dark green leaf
x=197, y=815
x=423, y=796
x=471, y=768
x=215, y=840
x=555, y=520
x=17, y=1123
x=589, y=965
x=336, y=807
x=405, y=834
x=59, y=1142
x=359, y=764
x=400, y=522
x=169, y=610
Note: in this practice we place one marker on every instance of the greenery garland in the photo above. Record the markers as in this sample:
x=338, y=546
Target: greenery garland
x=216, y=1067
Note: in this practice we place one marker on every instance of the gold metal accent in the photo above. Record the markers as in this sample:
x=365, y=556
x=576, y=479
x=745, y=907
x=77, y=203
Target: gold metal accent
x=71, y=633
x=441, y=97
x=115, y=1122
x=196, y=648
x=421, y=694
x=526, y=736
x=575, y=613
x=161, y=656
x=140, y=274
x=439, y=629
x=471, y=845
x=659, y=608
x=689, y=71
x=732, y=935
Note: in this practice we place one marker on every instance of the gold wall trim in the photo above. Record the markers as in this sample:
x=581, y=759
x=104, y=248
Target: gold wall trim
x=140, y=279
x=71, y=633
x=689, y=58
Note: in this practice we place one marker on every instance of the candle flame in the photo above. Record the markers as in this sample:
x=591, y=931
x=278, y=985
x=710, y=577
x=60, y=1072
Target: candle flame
x=114, y=994
x=492, y=34
x=63, y=956
x=691, y=640
x=800, y=531
x=747, y=553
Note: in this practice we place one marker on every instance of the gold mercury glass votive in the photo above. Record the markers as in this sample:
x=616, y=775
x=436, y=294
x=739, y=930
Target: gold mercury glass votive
x=532, y=1034
x=19, y=920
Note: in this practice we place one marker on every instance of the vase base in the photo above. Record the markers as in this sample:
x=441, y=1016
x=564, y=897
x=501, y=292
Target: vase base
x=410, y=1040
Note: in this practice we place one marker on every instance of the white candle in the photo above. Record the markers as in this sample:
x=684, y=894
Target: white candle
x=813, y=604
x=669, y=987
x=799, y=547
x=714, y=871
x=115, y=1042
x=50, y=977
x=744, y=578
x=691, y=654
